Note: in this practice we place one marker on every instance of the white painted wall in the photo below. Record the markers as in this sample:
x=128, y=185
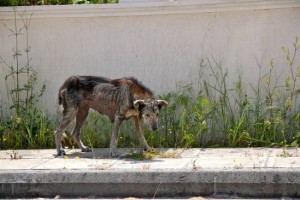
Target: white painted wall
x=160, y=43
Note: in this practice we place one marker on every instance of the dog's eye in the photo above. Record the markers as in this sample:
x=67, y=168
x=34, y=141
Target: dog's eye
x=147, y=115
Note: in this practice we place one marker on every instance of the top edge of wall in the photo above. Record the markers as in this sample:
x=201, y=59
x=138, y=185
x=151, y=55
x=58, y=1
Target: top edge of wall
x=145, y=7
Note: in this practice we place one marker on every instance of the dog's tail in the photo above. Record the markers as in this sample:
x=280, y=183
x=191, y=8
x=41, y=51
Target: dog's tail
x=69, y=86
x=60, y=95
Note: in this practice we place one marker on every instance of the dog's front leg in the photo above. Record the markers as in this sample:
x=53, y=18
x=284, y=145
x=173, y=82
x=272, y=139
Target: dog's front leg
x=114, y=136
x=143, y=142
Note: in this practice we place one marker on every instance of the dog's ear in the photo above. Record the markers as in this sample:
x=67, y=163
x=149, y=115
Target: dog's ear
x=139, y=104
x=161, y=103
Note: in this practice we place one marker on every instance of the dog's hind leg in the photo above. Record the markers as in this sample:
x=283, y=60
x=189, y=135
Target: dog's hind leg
x=82, y=114
x=143, y=142
x=68, y=116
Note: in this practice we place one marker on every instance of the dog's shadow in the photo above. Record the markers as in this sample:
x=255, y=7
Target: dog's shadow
x=133, y=155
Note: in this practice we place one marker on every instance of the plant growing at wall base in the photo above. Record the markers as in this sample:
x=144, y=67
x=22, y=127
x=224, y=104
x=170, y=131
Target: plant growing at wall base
x=227, y=114
x=23, y=125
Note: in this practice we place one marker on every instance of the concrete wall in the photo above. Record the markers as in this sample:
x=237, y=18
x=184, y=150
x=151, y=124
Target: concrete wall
x=160, y=43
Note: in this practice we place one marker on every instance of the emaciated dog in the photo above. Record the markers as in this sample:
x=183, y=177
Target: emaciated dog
x=119, y=99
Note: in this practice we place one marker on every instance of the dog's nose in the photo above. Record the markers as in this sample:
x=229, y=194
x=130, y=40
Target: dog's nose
x=154, y=127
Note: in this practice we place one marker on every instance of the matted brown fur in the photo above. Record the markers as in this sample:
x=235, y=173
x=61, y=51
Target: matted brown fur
x=118, y=99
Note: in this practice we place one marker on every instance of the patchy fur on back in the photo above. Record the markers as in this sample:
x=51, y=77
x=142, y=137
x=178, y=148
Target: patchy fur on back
x=74, y=84
x=78, y=88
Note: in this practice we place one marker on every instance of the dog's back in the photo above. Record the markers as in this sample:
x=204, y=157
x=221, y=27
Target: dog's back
x=73, y=89
x=77, y=88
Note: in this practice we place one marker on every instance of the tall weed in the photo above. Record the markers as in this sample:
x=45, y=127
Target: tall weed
x=231, y=114
x=24, y=124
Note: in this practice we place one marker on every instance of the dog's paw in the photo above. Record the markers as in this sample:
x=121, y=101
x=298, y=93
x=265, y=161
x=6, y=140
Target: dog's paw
x=86, y=149
x=147, y=148
x=60, y=152
x=114, y=154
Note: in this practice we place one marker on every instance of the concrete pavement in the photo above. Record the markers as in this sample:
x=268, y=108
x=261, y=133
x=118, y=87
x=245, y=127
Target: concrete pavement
x=243, y=172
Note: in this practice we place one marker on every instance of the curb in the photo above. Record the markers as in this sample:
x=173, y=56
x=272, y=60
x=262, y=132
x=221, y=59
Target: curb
x=264, y=183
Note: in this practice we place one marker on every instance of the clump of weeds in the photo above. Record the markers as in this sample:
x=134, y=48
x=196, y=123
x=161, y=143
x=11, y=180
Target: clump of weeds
x=23, y=124
x=14, y=155
x=141, y=155
x=219, y=113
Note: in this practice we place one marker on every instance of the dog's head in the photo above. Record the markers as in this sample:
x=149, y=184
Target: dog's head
x=149, y=111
